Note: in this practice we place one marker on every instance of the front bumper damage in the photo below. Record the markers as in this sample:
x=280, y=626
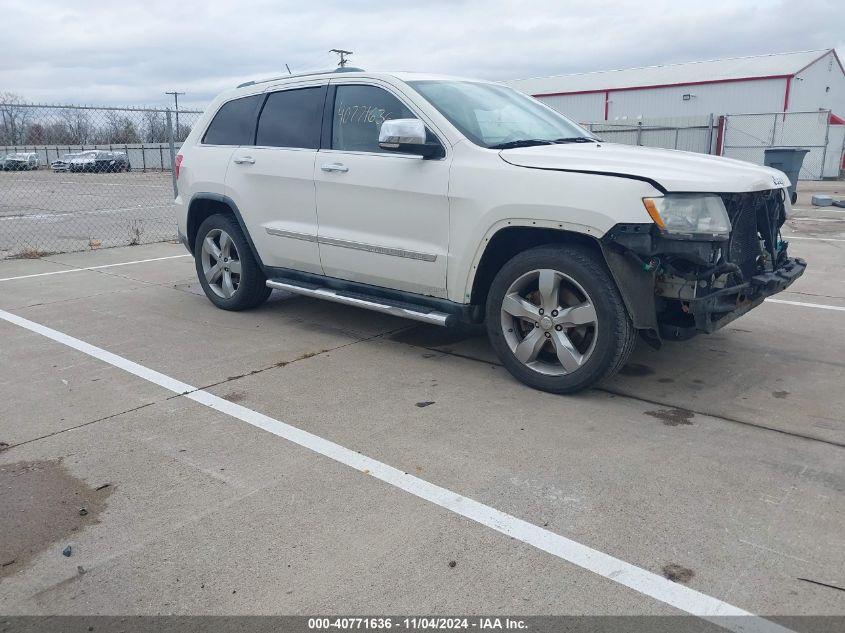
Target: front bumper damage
x=675, y=289
x=722, y=306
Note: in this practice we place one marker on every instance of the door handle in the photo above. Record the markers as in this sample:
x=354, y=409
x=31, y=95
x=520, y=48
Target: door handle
x=335, y=167
x=244, y=160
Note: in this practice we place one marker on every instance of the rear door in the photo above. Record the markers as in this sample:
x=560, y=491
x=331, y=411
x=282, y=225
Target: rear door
x=271, y=179
x=204, y=169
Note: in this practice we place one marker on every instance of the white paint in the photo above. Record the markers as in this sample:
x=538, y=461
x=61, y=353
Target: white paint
x=87, y=183
x=49, y=216
x=76, y=270
x=605, y=565
x=806, y=305
x=808, y=209
x=814, y=239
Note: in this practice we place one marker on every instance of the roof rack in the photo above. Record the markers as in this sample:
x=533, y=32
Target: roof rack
x=343, y=69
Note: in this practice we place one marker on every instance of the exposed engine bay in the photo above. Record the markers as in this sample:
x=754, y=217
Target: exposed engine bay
x=701, y=285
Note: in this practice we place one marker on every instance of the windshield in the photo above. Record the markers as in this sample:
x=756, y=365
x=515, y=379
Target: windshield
x=498, y=117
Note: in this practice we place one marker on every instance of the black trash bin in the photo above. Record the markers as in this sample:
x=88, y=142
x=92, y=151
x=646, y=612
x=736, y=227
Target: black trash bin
x=789, y=161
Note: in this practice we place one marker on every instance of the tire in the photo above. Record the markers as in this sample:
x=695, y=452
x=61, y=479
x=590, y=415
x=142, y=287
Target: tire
x=556, y=320
x=219, y=260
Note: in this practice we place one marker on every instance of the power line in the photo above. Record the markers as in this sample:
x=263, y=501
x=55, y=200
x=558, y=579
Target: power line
x=176, y=100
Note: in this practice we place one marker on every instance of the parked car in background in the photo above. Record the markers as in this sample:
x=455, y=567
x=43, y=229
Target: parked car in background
x=99, y=161
x=18, y=161
x=63, y=163
x=121, y=162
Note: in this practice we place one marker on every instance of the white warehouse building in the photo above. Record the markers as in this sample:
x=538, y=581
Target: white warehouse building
x=808, y=82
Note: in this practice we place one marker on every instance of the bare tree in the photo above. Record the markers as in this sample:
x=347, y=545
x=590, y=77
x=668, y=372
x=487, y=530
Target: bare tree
x=14, y=115
x=77, y=126
x=119, y=129
x=35, y=134
x=155, y=127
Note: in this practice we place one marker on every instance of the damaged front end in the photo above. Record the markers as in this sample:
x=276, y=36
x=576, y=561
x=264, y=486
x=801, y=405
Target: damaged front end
x=693, y=271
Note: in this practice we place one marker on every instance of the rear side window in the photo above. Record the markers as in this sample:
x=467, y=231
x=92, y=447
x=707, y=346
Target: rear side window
x=234, y=123
x=292, y=118
x=359, y=112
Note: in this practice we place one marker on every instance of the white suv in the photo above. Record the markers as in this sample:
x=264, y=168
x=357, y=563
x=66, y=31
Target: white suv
x=456, y=201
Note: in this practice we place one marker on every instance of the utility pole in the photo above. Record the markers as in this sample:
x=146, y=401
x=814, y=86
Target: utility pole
x=343, y=61
x=176, y=100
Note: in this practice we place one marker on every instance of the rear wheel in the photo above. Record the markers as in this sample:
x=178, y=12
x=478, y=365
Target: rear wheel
x=556, y=320
x=226, y=267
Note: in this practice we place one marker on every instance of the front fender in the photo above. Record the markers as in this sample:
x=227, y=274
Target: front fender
x=487, y=194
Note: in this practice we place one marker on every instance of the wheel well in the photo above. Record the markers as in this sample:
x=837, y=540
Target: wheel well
x=199, y=211
x=512, y=240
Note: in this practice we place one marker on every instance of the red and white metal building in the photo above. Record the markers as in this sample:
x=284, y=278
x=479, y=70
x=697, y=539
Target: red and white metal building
x=805, y=81
x=741, y=97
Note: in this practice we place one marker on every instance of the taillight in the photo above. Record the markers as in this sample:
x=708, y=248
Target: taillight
x=178, y=164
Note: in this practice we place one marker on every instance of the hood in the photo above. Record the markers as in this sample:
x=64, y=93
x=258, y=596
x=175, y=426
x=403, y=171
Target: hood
x=672, y=170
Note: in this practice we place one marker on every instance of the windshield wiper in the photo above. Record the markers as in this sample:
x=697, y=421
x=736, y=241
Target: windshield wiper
x=524, y=142
x=576, y=139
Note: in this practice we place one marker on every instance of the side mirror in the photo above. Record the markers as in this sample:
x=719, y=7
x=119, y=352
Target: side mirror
x=407, y=136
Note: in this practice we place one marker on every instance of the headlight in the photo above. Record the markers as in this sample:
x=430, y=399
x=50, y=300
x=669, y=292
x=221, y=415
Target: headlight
x=690, y=216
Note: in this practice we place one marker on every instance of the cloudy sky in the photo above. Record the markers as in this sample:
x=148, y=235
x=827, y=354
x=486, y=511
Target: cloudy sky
x=129, y=53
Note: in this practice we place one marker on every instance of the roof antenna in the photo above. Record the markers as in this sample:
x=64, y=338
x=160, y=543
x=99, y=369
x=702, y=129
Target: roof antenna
x=288, y=67
x=342, y=61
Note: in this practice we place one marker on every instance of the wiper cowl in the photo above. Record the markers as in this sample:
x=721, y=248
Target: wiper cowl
x=525, y=142
x=576, y=139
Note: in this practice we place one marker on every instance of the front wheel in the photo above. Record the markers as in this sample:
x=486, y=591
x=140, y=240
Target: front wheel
x=556, y=320
x=227, y=270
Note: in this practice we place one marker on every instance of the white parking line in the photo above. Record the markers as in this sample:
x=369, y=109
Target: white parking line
x=806, y=305
x=605, y=565
x=90, y=182
x=831, y=208
x=49, y=216
x=814, y=239
x=76, y=270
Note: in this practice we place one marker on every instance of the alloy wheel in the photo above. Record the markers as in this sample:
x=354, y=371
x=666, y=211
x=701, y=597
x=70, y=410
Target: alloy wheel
x=549, y=322
x=221, y=263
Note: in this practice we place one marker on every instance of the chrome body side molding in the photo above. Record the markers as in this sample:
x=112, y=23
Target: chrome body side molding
x=358, y=246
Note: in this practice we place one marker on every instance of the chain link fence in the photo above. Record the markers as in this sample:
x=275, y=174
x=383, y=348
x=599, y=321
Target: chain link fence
x=78, y=178
x=747, y=136
x=691, y=134
x=740, y=136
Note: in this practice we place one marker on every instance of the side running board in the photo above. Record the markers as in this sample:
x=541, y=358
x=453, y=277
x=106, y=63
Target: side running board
x=385, y=306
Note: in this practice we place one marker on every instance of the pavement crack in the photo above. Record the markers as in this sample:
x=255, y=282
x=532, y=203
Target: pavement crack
x=813, y=294
x=622, y=394
x=822, y=584
x=79, y=426
x=722, y=417
x=283, y=363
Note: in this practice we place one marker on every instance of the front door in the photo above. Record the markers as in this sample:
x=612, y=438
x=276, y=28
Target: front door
x=383, y=217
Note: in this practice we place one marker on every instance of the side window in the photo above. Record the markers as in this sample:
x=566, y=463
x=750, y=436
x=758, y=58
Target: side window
x=234, y=123
x=358, y=114
x=292, y=118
